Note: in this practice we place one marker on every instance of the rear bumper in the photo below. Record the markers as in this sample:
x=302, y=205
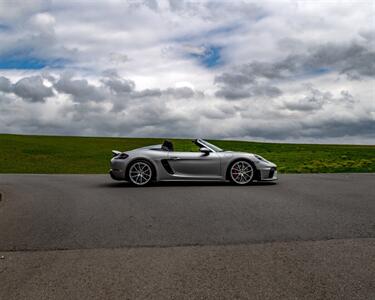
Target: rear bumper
x=268, y=174
x=115, y=174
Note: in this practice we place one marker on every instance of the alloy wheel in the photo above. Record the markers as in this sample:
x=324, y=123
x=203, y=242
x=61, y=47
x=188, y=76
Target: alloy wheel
x=140, y=173
x=242, y=172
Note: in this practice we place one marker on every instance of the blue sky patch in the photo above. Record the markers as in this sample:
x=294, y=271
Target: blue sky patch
x=4, y=27
x=211, y=56
x=30, y=63
x=320, y=71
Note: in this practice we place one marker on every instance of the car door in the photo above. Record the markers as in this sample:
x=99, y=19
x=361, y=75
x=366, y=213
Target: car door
x=195, y=164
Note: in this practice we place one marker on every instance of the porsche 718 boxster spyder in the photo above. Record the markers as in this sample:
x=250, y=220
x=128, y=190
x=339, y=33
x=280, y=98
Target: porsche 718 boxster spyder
x=161, y=163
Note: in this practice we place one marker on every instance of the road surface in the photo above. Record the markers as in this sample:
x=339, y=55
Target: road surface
x=85, y=236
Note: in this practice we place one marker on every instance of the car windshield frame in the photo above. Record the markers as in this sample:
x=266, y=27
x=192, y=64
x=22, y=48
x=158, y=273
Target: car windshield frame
x=210, y=146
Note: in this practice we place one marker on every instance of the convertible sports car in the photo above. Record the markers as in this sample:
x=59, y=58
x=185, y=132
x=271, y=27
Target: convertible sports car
x=161, y=163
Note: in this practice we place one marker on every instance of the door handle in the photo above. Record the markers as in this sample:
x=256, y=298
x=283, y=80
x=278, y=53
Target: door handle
x=175, y=158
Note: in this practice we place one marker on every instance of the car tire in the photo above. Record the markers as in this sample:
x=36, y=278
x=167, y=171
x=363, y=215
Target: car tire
x=241, y=172
x=140, y=173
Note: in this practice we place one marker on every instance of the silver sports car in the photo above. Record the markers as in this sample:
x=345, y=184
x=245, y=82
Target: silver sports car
x=161, y=163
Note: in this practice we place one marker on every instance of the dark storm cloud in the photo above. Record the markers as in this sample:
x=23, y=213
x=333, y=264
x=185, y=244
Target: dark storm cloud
x=32, y=89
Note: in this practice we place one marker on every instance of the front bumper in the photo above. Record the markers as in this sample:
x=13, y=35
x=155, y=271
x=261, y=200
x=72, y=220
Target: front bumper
x=268, y=174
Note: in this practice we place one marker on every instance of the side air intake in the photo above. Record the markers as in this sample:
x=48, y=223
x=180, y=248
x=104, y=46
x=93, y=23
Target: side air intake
x=167, y=166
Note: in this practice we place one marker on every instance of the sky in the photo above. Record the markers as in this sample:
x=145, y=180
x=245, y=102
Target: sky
x=276, y=71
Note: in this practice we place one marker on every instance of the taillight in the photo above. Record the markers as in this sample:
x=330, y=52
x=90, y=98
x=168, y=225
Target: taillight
x=122, y=156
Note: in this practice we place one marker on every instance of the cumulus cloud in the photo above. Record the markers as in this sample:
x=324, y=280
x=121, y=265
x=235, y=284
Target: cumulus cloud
x=355, y=61
x=267, y=71
x=180, y=93
x=125, y=110
x=5, y=84
x=79, y=89
x=313, y=101
x=32, y=89
x=243, y=84
x=118, y=85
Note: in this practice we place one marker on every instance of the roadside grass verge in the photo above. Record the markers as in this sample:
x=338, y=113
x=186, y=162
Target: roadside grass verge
x=81, y=155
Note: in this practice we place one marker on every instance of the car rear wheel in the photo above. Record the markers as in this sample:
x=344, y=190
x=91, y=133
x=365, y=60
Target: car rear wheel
x=140, y=173
x=241, y=172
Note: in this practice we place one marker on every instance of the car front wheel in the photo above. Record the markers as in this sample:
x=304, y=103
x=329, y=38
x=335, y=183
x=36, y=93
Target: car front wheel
x=241, y=172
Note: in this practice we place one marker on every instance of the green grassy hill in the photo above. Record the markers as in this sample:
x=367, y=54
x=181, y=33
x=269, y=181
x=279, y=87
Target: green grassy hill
x=60, y=154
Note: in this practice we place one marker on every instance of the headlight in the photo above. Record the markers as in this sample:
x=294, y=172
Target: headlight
x=260, y=158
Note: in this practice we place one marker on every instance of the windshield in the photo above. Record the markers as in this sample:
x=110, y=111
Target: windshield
x=211, y=146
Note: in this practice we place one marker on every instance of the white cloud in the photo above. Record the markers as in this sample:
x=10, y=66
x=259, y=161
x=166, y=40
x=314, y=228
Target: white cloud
x=286, y=70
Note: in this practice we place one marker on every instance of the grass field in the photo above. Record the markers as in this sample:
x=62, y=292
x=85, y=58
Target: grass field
x=59, y=154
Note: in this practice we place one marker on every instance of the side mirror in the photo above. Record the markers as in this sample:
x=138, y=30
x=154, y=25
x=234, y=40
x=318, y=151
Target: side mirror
x=204, y=150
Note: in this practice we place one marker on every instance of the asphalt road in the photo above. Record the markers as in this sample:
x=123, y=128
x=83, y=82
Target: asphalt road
x=92, y=211
x=77, y=236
